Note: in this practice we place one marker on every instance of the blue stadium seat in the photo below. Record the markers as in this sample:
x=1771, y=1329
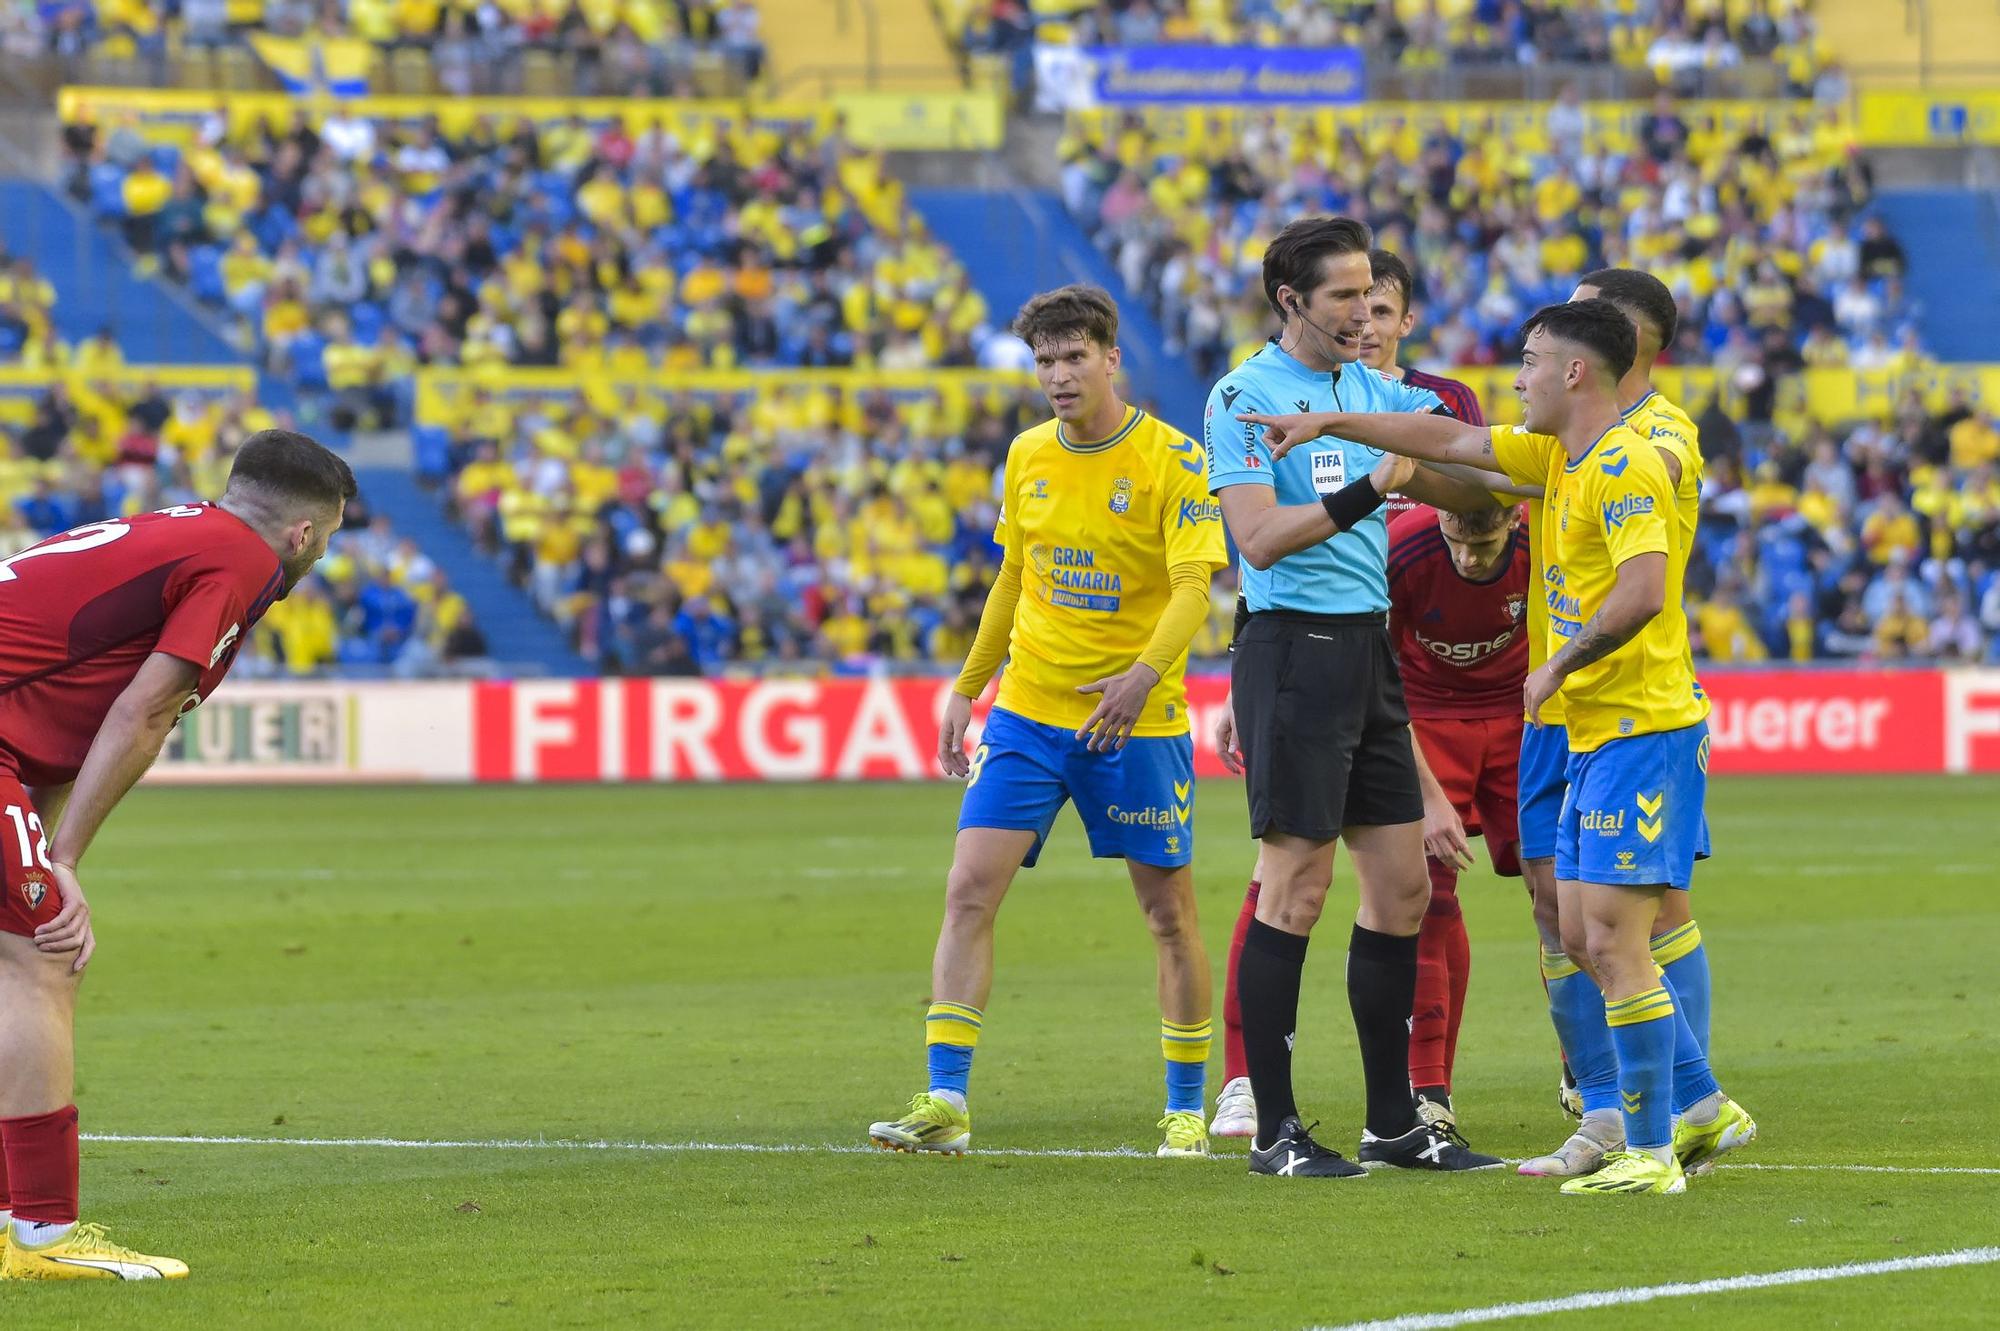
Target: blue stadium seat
x=431, y=447
x=308, y=355
x=107, y=190
x=205, y=274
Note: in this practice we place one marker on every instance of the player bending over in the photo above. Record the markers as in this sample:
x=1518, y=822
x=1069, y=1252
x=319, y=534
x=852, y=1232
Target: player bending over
x=109, y=633
x=1637, y=771
x=1109, y=540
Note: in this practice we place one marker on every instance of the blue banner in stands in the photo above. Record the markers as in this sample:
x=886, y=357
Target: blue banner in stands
x=1128, y=74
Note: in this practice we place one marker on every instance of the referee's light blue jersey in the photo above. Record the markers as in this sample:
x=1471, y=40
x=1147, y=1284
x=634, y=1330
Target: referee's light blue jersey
x=1346, y=574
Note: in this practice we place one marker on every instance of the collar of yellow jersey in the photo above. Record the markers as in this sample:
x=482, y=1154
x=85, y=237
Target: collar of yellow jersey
x=1132, y=418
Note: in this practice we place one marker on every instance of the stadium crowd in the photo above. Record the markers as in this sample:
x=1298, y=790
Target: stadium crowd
x=633, y=48
x=788, y=528
x=27, y=307
x=88, y=451
x=1762, y=234
x=351, y=250
x=795, y=528
x=1679, y=41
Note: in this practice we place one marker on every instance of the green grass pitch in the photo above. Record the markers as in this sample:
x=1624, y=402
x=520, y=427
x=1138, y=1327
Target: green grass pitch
x=749, y=965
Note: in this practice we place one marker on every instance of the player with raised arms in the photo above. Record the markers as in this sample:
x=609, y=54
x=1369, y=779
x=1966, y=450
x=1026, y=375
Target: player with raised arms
x=1109, y=540
x=109, y=633
x=1637, y=770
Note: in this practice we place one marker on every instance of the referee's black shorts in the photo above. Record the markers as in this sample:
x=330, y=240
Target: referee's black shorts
x=1322, y=724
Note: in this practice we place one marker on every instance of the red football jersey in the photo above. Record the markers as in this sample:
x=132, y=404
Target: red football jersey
x=80, y=612
x=1462, y=645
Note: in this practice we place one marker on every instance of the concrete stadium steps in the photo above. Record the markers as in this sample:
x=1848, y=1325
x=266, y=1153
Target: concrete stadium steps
x=1871, y=37
x=1016, y=243
x=1953, y=239
x=95, y=285
x=815, y=48
x=519, y=636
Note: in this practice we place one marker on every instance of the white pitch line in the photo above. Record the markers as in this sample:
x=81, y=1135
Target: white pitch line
x=559, y=1144
x=806, y=1148
x=1614, y=1298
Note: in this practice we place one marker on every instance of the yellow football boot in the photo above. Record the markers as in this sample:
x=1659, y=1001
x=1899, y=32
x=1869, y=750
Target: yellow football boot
x=1630, y=1171
x=84, y=1254
x=1700, y=1146
x=933, y=1124
x=1187, y=1136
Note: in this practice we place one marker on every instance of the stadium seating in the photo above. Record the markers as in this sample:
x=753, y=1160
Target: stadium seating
x=1756, y=217
x=27, y=331
x=376, y=606
x=825, y=522
x=1677, y=43
x=351, y=249
x=80, y=447
x=641, y=48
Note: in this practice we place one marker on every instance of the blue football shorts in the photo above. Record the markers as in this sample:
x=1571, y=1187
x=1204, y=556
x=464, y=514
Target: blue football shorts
x=1543, y=781
x=1136, y=803
x=1634, y=814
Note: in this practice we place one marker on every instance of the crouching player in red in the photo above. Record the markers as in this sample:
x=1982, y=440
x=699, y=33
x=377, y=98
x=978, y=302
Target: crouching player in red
x=109, y=633
x=1458, y=589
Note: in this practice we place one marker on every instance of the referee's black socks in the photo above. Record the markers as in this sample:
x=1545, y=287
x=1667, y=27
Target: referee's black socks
x=1381, y=990
x=1267, y=991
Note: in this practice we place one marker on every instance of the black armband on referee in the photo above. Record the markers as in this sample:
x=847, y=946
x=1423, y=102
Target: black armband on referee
x=1351, y=503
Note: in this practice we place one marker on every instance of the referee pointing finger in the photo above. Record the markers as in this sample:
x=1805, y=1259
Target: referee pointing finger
x=1319, y=705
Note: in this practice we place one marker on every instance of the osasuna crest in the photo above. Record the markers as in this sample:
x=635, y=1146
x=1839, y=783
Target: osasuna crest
x=1516, y=607
x=33, y=889
x=1121, y=494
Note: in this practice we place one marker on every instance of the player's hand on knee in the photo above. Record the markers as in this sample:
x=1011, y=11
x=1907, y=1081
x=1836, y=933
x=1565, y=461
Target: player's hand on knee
x=951, y=735
x=1225, y=737
x=70, y=930
x=1122, y=700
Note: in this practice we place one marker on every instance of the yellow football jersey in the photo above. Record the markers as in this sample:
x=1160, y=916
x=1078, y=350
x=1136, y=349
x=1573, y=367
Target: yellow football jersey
x=1555, y=710
x=1666, y=426
x=1610, y=505
x=1096, y=527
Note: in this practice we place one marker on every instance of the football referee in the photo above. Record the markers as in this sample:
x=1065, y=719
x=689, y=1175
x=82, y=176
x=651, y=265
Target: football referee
x=1319, y=706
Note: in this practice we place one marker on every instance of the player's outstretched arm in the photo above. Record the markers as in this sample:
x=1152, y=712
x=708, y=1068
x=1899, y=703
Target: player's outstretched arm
x=1639, y=594
x=126, y=744
x=1450, y=493
x=1265, y=531
x=989, y=648
x=1425, y=436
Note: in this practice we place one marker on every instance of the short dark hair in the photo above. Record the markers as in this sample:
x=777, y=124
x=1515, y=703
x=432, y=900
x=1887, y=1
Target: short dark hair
x=1078, y=309
x=1388, y=268
x=1483, y=521
x=292, y=468
x=1641, y=295
x=1596, y=325
x=1293, y=257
